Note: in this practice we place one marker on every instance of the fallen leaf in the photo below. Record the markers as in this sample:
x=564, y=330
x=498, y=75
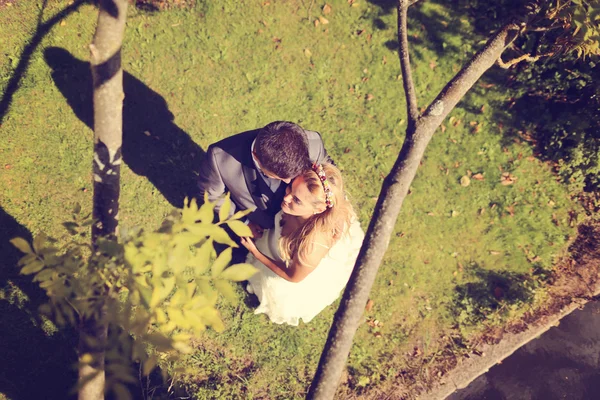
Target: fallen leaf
x=443, y=127
x=495, y=253
x=326, y=9
x=432, y=64
x=511, y=210
x=7, y=166
x=324, y=20
x=478, y=177
x=431, y=214
x=507, y=179
x=307, y=53
x=454, y=214
x=465, y=181
x=482, y=109
x=317, y=22
x=347, y=150
x=360, y=32
x=370, y=305
x=63, y=22
x=473, y=123
x=370, y=97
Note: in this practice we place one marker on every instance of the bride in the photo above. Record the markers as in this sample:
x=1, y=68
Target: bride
x=306, y=259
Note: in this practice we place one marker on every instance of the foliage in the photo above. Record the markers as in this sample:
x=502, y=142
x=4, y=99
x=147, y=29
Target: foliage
x=151, y=288
x=559, y=104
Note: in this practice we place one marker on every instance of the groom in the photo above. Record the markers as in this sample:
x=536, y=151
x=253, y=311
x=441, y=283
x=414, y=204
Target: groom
x=256, y=166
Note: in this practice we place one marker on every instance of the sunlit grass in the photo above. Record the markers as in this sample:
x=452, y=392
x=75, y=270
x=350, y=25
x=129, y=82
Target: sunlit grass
x=225, y=67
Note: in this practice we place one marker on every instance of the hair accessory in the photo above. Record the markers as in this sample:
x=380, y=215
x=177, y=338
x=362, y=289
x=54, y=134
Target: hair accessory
x=318, y=168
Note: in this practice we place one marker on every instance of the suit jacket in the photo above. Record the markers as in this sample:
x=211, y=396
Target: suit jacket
x=229, y=167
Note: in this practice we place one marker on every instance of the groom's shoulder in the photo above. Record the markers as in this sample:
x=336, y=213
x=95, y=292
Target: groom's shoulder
x=241, y=141
x=313, y=135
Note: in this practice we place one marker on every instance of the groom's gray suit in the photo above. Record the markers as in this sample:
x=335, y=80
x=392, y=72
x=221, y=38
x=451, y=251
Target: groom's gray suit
x=229, y=167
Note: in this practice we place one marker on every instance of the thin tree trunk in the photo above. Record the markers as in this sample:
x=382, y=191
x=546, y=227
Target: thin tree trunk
x=107, y=77
x=393, y=192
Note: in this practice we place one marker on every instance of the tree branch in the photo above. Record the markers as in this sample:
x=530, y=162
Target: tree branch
x=407, y=80
x=483, y=60
x=393, y=192
x=524, y=57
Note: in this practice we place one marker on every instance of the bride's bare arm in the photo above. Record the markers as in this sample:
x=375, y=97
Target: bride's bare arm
x=295, y=271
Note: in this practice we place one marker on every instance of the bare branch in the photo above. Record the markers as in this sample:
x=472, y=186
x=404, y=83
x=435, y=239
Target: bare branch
x=544, y=29
x=407, y=80
x=412, y=2
x=524, y=57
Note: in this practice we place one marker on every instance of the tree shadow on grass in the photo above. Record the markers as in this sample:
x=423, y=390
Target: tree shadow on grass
x=35, y=364
x=491, y=292
x=41, y=31
x=153, y=145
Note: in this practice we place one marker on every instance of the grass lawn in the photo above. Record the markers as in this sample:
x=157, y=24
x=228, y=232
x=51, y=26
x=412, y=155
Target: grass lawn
x=462, y=256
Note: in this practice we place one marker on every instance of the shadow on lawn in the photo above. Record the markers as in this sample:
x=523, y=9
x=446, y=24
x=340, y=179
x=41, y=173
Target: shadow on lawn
x=490, y=292
x=153, y=145
x=41, y=31
x=34, y=364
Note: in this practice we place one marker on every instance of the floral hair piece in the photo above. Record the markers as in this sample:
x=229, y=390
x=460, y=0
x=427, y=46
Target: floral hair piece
x=318, y=168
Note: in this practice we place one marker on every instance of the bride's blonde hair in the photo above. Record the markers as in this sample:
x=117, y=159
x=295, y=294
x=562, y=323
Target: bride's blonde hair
x=334, y=221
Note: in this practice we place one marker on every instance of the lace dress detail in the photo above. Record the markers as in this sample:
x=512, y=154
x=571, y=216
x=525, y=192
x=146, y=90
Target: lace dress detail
x=287, y=302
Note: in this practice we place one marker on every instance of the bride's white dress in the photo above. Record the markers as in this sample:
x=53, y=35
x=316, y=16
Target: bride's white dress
x=287, y=302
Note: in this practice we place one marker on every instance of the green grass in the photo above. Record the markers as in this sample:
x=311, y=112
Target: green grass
x=229, y=66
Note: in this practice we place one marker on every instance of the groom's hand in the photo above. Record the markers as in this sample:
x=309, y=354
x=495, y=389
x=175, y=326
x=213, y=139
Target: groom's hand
x=257, y=230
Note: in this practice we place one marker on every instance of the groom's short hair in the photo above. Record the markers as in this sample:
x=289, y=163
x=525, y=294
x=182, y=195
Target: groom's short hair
x=282, y=149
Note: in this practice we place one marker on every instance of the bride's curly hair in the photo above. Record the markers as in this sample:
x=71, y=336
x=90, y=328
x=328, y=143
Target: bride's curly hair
x=334, y=221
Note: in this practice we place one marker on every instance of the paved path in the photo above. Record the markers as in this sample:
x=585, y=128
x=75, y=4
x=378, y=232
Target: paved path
x=564, y=363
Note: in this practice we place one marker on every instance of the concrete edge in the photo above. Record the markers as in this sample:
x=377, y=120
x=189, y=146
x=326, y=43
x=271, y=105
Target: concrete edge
x=470, y=369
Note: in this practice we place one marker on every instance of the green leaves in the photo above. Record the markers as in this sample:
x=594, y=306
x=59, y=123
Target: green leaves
x=32, y=267
x=225, y=208
x=221, y=262
x=239, y=228
x=153, y=283
x=22, y=245
x=239, y=272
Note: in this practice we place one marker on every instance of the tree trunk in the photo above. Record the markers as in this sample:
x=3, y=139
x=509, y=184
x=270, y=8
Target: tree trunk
x=107, y=77
x=393, y=192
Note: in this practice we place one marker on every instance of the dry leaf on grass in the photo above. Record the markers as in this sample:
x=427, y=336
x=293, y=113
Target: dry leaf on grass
x=507, y=178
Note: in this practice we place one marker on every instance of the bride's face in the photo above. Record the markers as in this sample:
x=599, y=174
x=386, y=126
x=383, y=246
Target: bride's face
x=298, y=200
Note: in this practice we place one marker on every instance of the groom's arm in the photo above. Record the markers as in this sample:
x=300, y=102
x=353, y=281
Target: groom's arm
x=210, y=180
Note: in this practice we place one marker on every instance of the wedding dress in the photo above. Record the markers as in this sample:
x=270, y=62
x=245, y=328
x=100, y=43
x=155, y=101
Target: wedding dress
x=288, y=302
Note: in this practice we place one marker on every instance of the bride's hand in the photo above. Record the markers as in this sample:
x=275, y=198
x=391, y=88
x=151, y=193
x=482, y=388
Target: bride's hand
x=248, y=243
